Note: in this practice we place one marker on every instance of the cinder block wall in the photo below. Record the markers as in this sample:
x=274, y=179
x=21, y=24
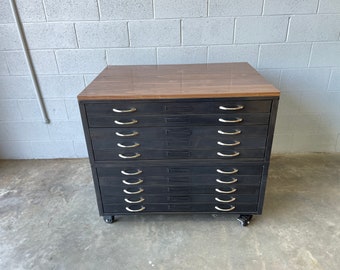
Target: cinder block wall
x=295, y=44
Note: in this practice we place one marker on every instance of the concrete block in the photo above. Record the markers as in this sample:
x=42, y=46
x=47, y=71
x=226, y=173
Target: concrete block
x=9, y=110
x=284, y=55
x=23, y=131
x=102, y=34
x=302, y=123
x=80, y=149
x=314, y=142
x=325, y=54
x=50, y=36
x=80, y=61
x=31, y=11
x=208, y=31
x=283, y=123
x=334, y=83
x=126, y=9
x=3, y=64
x=72, y=109
x=290, y=102
x=182, y=55
x=6, y=15
x=233, y=53
x=329, y=6
x=131, y=56
x=314, y=28
x=290, y=6
x=61, y=86
x=15, y=150
x=56, y=109
x=65, y=130
x=261, y=29
x=44, y=62
x=282, y=143
x=29, y=109
x=53, y=149
x=64, y=10
x=180, y=8
x=315, y=79
x=219, y=8
x=89, y=78
x=9, y=37
x=315, y=101
x=154, y=33
x=271, y=75
x=16, y=87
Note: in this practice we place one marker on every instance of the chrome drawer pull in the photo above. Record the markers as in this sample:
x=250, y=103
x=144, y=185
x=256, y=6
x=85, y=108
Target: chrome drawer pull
x=229, y=144
x=136, y=155
x=124, y=111
x=236, y=132
x=138, y=210
x=224, y=172
x=135, y=133
x=238, y=107
x=225, y=210
x=133, y=173
x=237, y=120
x=128, y=146
x=228, y=155
x=134, y=183
x=140, y=190
x=133, y=121
x=225, y=201
x=138, y=201
x=225, y=192
x=234, y=180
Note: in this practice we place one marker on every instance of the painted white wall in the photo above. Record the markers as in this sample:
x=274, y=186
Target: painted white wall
x=295, y=44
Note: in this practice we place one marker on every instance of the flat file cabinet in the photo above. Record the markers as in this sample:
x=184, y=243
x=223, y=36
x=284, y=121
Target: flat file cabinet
x=179, y=139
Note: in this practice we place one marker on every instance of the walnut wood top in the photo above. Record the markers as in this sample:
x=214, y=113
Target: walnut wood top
x=178, y=81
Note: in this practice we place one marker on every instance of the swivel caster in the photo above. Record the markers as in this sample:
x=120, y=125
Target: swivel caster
x=244, y=219
x=109, y=219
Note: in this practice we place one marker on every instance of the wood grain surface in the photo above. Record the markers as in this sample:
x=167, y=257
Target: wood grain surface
x=178, y=81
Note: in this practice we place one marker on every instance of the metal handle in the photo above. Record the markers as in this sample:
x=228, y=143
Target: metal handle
x=224, y=172
x=134, y=173
x=135, y=133
x=128, y=146
x=225, y=210
x=137, y=210
x=124, y=111
x=237, y=120
x=229, y=144
x=138, y=201
x=225, y=192
x=134, y=183
x=136, y=155
x=236, y=132
x=133, y=121
x=238, y=107
x=235, y=154
x=225, y=201
x=140, y=190
x=234, y=180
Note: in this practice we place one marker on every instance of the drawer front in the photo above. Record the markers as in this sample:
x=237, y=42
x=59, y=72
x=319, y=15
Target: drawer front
x=164, y=208
x=225, y=106
x=179, y=120
x=215, y=153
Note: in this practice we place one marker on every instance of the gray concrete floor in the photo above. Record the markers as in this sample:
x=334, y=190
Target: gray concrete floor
x=49, y=220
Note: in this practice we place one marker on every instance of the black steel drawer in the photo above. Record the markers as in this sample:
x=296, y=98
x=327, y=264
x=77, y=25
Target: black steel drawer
x=164, y=208
x=225, y=106
x=179, y=120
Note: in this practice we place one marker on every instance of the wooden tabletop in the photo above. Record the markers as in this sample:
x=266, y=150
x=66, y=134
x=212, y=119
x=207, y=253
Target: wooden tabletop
x=178, y=81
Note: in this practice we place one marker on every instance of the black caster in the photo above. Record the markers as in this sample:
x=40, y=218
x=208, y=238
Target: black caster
x=109, y=219
x=244, y=219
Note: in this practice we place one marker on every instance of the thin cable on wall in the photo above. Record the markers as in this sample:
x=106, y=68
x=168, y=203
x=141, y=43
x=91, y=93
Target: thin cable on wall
x=28, y=58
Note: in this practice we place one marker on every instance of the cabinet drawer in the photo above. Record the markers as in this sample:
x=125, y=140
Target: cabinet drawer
x=178, y=107
x=217, y=168
x=214, y=153
x=179, y=120
x=164, y=208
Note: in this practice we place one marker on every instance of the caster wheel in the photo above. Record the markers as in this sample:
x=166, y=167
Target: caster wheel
x=109, y=219
x=244, y=219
